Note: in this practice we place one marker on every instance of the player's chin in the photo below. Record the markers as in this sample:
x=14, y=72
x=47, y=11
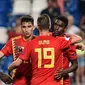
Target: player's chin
x=57, y=33
x=27, y=35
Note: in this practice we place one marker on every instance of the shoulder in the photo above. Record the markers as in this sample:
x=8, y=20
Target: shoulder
x=33, y=37
x=63, y=38
x=59, y=37
x=17, y=37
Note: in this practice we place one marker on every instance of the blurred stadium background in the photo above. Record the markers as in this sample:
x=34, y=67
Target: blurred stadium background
x=11, y=10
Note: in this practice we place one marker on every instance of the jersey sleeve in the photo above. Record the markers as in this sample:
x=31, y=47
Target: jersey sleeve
x=71, y=53
x=7, y=49
x=64, y=43
x=27, y=52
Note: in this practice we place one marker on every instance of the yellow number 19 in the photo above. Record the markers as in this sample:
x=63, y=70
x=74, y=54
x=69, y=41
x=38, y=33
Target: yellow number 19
x=51, y=57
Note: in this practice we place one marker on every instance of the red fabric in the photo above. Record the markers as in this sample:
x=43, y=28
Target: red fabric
x=72, y=53
x=67, y=81
x=24, y=70
x=21, y=81
x=7, y=49
x=50, y=50
x=69, y=55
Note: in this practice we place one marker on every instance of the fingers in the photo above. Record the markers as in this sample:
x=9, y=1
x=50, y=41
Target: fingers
x=58, y=76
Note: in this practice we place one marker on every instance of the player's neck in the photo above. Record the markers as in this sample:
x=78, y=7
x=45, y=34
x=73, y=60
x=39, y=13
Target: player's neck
x=44, y=32
x=28, y=38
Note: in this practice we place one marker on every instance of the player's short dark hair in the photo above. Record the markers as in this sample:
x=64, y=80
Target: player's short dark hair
x=44, y=21
x=51, y=0
x=27, y=18
x=64, y=19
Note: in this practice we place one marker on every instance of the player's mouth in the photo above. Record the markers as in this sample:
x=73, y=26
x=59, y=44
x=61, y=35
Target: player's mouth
x=56, y=31
x=26, y=33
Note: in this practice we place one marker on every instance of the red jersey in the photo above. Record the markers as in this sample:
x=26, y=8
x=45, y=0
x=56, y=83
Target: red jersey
x=23, y=72
x=46, y=56
x=68, y=56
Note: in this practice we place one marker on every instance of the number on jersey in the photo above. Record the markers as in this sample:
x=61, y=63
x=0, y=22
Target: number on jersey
x=51, y=57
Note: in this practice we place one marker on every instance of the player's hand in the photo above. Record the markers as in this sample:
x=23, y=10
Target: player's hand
x=80, y=47
x=60, y=73
x=9, y=71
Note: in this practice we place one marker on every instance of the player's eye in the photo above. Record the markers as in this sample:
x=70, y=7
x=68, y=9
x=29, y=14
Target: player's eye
x=30, y=26
x=23, y=26
x=60, y=25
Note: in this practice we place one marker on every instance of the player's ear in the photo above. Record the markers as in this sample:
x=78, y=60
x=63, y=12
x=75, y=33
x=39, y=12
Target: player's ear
x=33, y=27
x=65, y=29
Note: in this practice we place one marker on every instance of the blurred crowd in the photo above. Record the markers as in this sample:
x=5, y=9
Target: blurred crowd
x=74, y=10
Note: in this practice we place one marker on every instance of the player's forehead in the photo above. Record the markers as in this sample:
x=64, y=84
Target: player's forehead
x=59, y=22
x=26, y=23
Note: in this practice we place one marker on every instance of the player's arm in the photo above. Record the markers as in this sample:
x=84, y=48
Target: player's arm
x=22, y=57
x=63, y=72
x=71, y=55
x=73, y=67
x=75, y=38
x=6, y=50
x=1, y=54
x=14, y=65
